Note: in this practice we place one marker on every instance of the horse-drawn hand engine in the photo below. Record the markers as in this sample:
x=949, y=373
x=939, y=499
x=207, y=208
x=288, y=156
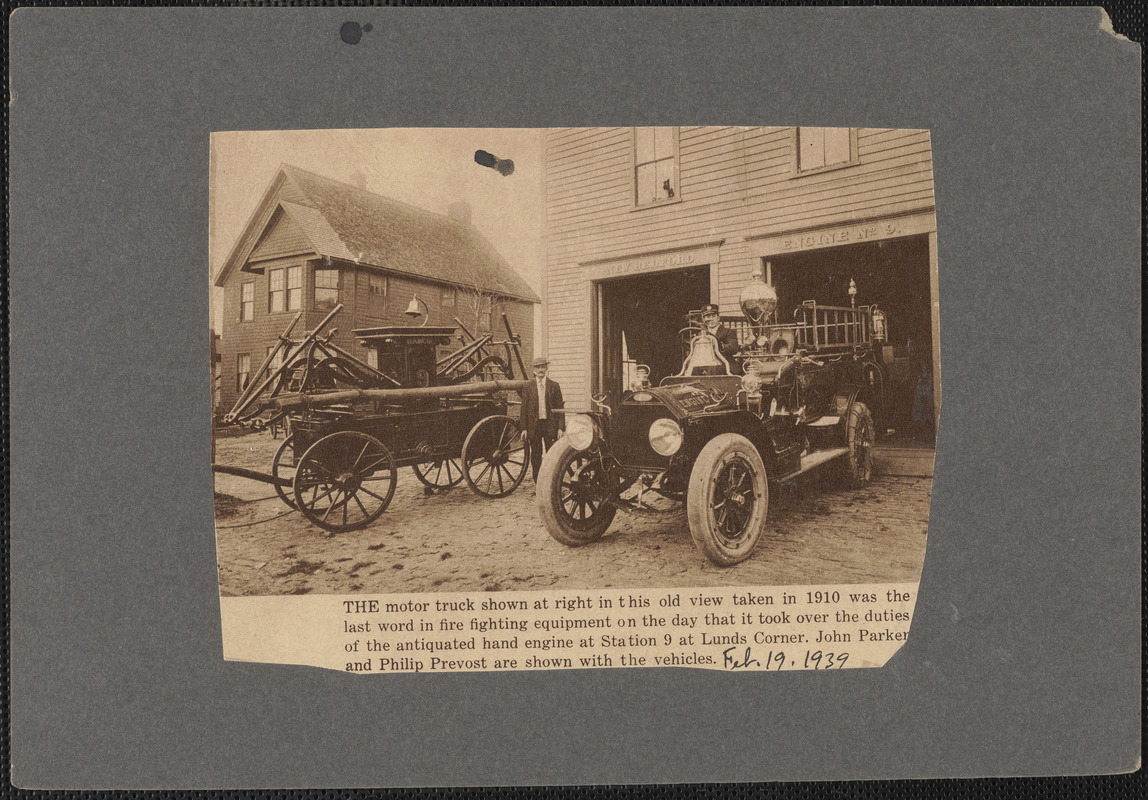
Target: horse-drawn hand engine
x=353, y=425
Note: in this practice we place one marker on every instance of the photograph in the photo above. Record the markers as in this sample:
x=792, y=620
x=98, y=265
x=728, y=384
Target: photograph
x=497, y=360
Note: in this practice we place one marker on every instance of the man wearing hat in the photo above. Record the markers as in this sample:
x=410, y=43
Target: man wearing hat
x=727, y=339
x=541, y=423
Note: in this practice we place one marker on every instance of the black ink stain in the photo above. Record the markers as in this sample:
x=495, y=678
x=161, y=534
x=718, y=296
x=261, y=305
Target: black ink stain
x=352, y=32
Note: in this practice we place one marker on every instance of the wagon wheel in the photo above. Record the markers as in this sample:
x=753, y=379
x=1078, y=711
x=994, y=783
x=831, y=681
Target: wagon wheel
x=281, y=467
x=442, y=473
x=345, y=481
x=494, y=457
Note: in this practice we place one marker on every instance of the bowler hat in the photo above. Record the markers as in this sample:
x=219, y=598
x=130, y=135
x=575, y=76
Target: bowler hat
x=540, y=361
x=709, y=308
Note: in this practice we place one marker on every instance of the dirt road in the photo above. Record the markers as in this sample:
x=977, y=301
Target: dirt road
x=818, y=533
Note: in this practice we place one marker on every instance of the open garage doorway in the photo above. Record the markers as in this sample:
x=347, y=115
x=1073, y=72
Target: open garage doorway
x=894, y=274
x=638, y=320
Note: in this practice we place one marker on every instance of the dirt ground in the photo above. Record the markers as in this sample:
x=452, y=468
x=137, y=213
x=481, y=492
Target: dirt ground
x=456, y=541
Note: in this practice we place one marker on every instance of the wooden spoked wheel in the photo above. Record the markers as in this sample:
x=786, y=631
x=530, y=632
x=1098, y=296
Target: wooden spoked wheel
x=441, y=473
x=494, y=457
x=345, y=481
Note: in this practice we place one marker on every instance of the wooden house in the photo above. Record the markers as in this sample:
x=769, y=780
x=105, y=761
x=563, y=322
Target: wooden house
x=313, y=242
x=645, y=224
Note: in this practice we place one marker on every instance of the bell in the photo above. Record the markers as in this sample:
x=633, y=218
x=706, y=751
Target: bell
x=758, y=300
x=413, y=308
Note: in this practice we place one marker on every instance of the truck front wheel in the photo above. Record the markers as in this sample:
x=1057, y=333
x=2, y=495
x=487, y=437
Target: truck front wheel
x=728, y=499
x=859, y=438
x=574, y=495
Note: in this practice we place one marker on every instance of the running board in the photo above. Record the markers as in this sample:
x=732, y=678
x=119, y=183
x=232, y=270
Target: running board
x=816, y=459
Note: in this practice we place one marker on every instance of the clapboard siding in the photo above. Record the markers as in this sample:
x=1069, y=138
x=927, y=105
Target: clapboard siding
x=733, y=183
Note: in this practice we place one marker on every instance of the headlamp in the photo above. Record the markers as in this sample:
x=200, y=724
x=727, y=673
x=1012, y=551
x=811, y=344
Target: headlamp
x=579, y=431
x=665, y=436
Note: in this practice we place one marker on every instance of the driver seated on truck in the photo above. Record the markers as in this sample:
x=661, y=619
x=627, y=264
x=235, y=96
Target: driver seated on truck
x=727, y=339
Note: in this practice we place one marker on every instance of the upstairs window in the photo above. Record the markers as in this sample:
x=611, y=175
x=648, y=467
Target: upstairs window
x=449, y=298
x=284, y=289
x=276, y=291
x=294, y=288
x=655, y=165
x=326, y=289
x=377, y=294
x=825, y=148
x=247, y=302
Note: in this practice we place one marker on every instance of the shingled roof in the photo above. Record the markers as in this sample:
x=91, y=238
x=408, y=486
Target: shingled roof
x=344, y=222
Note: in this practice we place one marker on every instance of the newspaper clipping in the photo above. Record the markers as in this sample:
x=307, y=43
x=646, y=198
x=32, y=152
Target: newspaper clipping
x=522, y=399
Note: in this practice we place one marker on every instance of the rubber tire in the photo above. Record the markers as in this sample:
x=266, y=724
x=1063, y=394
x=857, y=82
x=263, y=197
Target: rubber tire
x=559, y=524
x=859, y=437
x=714, y=457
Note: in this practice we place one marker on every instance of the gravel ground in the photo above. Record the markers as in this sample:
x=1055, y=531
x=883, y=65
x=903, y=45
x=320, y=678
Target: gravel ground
x=455, y=541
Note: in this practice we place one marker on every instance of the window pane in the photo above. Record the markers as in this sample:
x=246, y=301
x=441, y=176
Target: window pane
x=326, y=289
x=248, y=290
x=294, y=277
x=663, y=142
x=666, y=180
x=811, y=148
x=275, y=280
x=448, y=298
x=643, y=145
x=836, y=145
x=647, y=177
x=242, y=371
x=294, y=299
x=276, y=301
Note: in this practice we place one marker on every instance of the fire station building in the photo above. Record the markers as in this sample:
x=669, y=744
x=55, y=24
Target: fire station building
x=644, y=225
x=313, y=243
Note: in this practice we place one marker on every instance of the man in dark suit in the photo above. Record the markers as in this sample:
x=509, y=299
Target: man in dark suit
x=541, y=423
x=727, y=339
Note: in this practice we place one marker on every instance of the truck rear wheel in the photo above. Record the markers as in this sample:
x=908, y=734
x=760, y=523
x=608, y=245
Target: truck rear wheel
x=859, y=438
x=574, y=495
x=728, y=499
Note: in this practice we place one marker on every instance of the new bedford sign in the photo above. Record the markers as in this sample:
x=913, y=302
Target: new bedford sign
x=603, y=269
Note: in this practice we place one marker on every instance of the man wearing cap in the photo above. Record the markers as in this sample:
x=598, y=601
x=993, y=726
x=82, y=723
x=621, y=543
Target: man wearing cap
x=727, y=339
x=541, y=423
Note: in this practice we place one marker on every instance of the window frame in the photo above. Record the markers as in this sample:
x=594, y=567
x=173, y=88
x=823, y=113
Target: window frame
x=273, y=274
x=798, y=172
x=240, y=384
x=246, y=306
x=675, y=133
x=297, y=305
x=315, y=287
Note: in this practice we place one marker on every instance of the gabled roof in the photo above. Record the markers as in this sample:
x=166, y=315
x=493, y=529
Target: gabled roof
x=345, y=222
